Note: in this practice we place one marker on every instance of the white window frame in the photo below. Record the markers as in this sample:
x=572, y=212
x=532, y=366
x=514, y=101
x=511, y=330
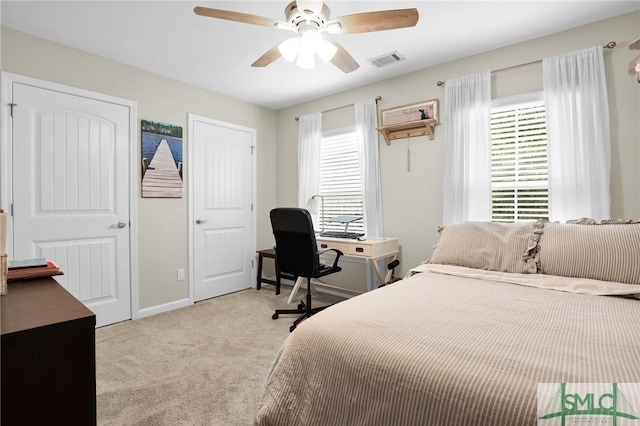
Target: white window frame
x=328, y=205
x=507, y=103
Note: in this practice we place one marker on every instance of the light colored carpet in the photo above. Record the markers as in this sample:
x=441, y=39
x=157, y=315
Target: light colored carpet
x=205, y=364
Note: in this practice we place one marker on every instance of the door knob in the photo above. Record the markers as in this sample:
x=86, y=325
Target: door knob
x=119, y=225
x=199, y=221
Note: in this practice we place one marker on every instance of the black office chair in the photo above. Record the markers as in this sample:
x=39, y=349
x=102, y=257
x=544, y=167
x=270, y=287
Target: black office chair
x=297, y=254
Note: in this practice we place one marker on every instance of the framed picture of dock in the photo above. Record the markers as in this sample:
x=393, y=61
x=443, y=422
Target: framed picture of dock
x=161, y=160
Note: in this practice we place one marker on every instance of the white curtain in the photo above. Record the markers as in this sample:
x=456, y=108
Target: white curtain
x=467, y=169
x=309, y=140
x=578, y=135
x=368, y=150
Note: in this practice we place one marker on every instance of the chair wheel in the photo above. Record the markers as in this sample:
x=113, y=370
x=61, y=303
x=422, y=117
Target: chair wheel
x=293, y=327
x=300, y=306
x=274, y=316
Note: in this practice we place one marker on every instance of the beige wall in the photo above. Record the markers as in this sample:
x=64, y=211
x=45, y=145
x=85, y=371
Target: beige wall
x=162, y=223
x=413, y=200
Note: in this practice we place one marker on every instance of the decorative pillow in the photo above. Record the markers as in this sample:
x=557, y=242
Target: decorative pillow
x=607, y=252
x=589, y=221
x=492, y=246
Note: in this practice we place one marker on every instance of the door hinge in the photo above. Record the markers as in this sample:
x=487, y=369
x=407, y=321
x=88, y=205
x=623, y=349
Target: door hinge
x=11, y=212
x=252, y=148
x=15, y=105
x=251, y=206
x=251, y=263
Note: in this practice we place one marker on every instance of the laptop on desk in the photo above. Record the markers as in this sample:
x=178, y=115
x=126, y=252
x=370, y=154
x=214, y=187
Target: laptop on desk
x=346, y=220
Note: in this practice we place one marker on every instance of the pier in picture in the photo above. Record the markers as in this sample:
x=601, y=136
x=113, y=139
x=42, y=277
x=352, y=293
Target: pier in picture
x=161, y=160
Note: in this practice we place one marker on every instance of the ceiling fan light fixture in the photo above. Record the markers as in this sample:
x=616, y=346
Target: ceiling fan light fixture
x=326, y=50
x=334, y=28
x=311, y=41
x=634, y=66
x=305, y=59
x=289, y=48
x=309, y=37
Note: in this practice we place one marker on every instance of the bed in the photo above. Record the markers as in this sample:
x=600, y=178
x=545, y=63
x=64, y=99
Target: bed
x=467, y=337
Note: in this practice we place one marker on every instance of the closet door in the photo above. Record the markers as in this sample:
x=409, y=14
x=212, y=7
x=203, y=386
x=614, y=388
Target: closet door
x=71, y=193
x=223, y=229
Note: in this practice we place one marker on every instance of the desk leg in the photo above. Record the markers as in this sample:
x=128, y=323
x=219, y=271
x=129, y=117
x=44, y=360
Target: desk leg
x=295, y=289
x=376, y=269
x=387, y=277
x=259, y=274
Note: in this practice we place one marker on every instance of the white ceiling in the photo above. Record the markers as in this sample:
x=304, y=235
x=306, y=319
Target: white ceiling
x=167, y=38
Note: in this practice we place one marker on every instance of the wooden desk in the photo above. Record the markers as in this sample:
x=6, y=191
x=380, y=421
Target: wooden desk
x=372, y=249
x=269, y=254
x=48, y=368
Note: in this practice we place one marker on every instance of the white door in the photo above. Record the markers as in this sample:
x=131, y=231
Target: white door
x=71, y=193
x=222, y=199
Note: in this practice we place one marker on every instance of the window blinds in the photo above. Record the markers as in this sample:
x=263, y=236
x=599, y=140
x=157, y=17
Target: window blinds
x=340, y=181
x=519, y=170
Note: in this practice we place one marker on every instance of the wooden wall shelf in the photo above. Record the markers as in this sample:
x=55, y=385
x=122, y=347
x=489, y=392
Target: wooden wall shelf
x=408, y=129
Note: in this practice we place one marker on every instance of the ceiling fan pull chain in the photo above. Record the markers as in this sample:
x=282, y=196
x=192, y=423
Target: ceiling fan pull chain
x=409, y=154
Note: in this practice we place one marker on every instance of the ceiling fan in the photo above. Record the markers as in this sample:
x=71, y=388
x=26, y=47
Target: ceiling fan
x=634, y=65
x=310, y=19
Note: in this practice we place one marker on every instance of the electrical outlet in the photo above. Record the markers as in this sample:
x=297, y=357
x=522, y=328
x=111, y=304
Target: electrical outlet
x=180, y=274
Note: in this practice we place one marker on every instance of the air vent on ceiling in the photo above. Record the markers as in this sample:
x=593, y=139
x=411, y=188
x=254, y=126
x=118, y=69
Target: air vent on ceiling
x=386, y=59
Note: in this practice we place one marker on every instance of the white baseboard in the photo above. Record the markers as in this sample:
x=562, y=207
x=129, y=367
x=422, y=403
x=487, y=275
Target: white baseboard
x=166, y=307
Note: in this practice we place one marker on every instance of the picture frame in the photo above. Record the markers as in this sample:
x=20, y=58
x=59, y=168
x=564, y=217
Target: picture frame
x=162, y=160
x=411, y=113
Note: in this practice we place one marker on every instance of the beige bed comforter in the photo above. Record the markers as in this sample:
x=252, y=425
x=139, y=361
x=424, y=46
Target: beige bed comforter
x=441, y=349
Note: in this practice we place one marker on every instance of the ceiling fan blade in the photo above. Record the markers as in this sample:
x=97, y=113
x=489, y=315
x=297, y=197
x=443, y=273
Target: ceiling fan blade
x=635, y=45
x=377, y=21
x=234, y=16
x=270, y=56
x=343, y=60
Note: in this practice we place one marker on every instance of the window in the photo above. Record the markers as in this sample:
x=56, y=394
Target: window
x=340, y=181
x=519, y=169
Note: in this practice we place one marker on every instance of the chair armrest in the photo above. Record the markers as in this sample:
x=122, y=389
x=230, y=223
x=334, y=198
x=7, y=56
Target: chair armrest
x=338, y=254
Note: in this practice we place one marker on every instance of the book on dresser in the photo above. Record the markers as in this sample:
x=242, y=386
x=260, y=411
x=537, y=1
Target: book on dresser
x=31, y=268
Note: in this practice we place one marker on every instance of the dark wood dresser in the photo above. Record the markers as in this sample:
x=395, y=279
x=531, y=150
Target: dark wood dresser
x=47, y=349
